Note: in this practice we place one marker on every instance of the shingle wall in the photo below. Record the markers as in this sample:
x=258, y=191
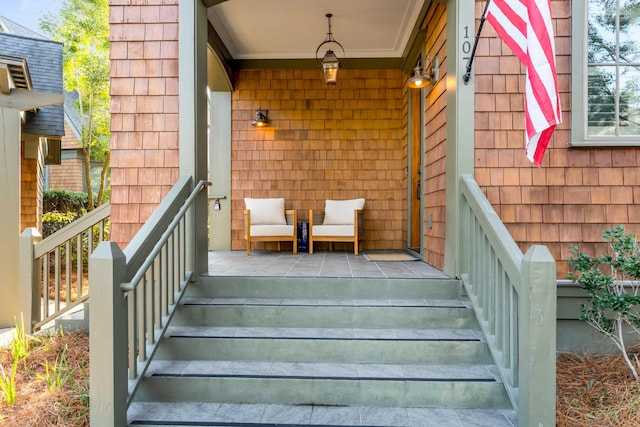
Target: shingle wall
x=435, y=139
x=144, y=107
x=577, y=192
x=324, y=142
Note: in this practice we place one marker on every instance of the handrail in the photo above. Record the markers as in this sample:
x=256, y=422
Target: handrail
x=514, y=299
x=50, y=264
x=139, y=290
x=131, y=285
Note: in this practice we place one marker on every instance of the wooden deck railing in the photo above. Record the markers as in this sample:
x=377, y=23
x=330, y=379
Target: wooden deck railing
x=514, y=298
x=138, y=290
x=54, y=278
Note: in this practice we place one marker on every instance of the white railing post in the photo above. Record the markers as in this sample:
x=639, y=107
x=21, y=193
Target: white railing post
x=108, y=337
x=29, y=276
x=537, y=344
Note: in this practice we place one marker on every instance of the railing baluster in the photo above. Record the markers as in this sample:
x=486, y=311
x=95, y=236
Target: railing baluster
x=46, y=277
x=68, y=272
x=164, y=280
x=57, y=273
x=141, y=348
x=132, y=332
x=157, y=297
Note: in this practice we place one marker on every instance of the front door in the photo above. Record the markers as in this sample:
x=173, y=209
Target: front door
x=415, y=184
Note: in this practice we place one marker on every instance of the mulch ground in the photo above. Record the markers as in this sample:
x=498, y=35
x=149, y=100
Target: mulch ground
x=596, y=391
x=35, y=404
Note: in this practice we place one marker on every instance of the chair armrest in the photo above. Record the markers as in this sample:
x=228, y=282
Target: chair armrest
x=291, y=214
x=315, y=217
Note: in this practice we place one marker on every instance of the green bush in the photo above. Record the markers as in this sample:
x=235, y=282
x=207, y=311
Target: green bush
x=54, y=221
x=612, y=282
x=65, y=201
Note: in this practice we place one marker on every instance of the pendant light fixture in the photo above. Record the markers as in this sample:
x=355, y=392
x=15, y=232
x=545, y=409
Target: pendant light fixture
x=329, y=63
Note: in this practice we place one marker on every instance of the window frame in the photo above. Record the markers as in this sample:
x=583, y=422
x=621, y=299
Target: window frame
x=579, y=76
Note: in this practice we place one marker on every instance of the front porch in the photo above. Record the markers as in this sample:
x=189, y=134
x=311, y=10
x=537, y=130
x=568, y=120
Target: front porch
x=319, y=264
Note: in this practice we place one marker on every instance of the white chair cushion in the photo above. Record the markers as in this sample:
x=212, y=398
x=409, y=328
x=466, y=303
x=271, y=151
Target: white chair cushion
x=340, y=212
x=271, y=230
x=266, y=211
x=333, y=230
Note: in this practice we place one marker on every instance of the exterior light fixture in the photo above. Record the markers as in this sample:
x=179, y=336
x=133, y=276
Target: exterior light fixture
x=261, y=119
x=329, y=63
x=422, y=78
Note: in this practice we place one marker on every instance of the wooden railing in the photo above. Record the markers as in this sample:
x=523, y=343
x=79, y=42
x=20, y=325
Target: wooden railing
x=138, y=290
x=54, y=278
x=514, y=298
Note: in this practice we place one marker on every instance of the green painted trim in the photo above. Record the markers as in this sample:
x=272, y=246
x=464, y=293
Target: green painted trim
x=218, y=46
x=192, y=63
x=618, y=143
x=310, y=64
x=414, y=51
x=460, y=149
x=220, y=170
x=578, y=74
x=211, y=3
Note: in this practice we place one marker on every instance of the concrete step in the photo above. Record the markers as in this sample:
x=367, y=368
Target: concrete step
x=183, y=414
x=333, y=352
x=411, y=346
x=347, y=384
x=277, y=313
x=324, y=288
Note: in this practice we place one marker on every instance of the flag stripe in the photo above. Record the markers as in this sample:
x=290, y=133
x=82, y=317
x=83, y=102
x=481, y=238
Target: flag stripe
x=526, y=28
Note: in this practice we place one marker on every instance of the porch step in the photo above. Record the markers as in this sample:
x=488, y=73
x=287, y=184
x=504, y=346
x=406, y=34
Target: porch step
x=251, y=351
x=212, y=414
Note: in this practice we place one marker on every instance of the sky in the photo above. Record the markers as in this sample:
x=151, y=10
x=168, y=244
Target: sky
x=28, y=12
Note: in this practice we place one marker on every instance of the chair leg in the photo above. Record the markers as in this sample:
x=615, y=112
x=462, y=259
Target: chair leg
x=248, y=248
x=295, y=246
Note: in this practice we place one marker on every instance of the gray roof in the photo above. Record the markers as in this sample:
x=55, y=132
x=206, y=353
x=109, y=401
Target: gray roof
x=72, y=114
x=44, y=58
x=11, y=27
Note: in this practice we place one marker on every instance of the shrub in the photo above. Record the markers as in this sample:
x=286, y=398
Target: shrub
x=612, y=282
x=54, y=221
x=64, y=201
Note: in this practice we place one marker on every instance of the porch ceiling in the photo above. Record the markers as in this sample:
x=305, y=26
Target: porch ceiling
x=255, y=32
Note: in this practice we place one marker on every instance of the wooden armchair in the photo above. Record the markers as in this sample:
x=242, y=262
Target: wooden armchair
x=341, y=221
x=266, y=220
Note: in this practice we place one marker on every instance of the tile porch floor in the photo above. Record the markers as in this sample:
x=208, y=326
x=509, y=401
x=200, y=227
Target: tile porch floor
x=318, y=264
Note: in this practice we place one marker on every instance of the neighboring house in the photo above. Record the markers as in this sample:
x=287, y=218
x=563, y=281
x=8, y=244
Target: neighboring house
x=69, y=173
x=31, y=126
x=42, y=128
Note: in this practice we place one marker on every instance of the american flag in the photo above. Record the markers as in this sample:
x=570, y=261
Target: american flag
x=525, y=26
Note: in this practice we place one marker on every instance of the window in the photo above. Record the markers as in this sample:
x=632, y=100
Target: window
x=606, y=72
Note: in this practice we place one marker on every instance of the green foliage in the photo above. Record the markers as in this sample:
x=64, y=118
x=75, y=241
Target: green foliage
x=83, y=27
x=54, y=221
x=65, y=201
x=57, y=374
x=8, y=383
x=612, y=282
x=21, y=342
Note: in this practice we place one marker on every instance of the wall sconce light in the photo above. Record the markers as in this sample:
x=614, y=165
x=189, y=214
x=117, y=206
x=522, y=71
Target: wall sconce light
x=262, y=119
x=422, y=78
x=329, y=64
